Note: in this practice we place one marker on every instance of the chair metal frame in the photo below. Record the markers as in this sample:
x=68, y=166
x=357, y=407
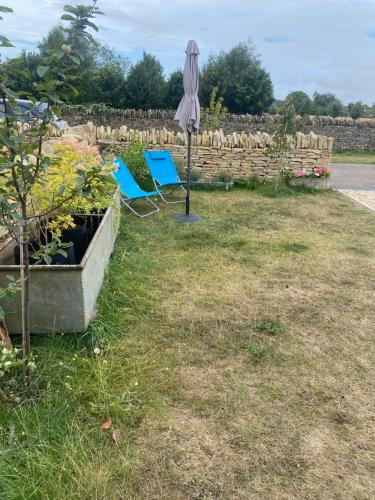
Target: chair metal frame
x=128, y=201
x=177, y=186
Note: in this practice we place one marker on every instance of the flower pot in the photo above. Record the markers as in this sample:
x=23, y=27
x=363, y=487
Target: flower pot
x=311, y=182
x=62, y=297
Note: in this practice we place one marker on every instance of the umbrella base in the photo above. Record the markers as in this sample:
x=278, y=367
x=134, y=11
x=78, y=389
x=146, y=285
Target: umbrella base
x=188, y=218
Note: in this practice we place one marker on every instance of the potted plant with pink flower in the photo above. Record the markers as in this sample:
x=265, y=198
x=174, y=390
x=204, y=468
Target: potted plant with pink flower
x=317, y=177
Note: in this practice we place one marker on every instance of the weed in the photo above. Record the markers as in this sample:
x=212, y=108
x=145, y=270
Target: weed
x=272, y=326
x=256, y=352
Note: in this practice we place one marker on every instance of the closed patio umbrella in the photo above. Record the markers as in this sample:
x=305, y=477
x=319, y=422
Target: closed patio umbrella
x=188, y=115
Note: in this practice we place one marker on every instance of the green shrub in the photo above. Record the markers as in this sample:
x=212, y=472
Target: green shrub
x=224, y=177
x=134, y=159
x=253, y=183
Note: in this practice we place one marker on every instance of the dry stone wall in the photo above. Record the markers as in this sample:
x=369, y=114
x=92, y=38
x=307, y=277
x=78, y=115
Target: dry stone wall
x=348, y=134
x=239, y=154
x=243, y=163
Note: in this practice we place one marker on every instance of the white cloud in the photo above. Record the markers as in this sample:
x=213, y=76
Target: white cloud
x=323, y=45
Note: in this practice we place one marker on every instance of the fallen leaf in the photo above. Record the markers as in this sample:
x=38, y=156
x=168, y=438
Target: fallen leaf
x=116, y=435
x=107, y=424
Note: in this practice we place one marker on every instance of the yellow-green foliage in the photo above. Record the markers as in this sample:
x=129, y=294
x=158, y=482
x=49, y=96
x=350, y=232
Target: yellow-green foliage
x=77, y=181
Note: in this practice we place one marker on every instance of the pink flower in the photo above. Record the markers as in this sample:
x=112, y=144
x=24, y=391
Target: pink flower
x=300, y=173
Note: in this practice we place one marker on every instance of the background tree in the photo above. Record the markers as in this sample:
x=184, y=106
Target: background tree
x=327, y=105
x=356, y=109
x=100, y=78
x=108, y=80
x=21, y=71
x=174, y=90
x=241, y=80
x=145, y=86
x=301, y=102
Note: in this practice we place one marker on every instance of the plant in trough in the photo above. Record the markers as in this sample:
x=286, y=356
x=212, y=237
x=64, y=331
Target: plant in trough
x=23, y=161
x=316, y=173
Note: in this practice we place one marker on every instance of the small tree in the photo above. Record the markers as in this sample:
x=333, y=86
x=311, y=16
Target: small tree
x=284, y=136
x=23, y=163
x=215, y=113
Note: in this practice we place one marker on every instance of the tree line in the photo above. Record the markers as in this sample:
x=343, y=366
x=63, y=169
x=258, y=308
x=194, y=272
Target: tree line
x=325, y=105
x=237, y=77
x=109, y=78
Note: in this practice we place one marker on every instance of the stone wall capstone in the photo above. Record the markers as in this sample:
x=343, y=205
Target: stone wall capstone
x=348, y=134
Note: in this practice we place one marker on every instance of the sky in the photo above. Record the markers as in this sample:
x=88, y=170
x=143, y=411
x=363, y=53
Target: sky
x=309, y=45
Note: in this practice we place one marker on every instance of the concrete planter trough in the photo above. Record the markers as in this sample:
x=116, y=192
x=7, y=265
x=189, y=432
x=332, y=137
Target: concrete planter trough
x=63, y=297
x=311, y=182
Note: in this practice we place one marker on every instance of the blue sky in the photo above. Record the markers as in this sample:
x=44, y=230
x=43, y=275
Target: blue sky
x=312, y=45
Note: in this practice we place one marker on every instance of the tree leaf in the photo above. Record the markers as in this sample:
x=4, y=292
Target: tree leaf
x=75, y=59
x=60, y=54
x=42, y=70
x=116, y=436
x=4, y=42
x=73, y=89
x=62, y=252
x=70, y=8
x=107, y=424
x=67, y=17
x=92, y=25
x=48, y=259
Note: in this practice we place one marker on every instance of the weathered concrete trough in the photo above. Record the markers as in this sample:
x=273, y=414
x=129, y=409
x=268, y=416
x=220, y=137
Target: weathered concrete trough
x=63, y=297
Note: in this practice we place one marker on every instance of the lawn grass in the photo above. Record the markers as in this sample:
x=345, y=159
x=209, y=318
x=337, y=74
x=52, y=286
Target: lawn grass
x=363, y=157
x=237, y=359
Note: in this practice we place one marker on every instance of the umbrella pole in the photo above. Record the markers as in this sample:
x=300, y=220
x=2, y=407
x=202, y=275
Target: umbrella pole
x=188, y=176
x=187, y=217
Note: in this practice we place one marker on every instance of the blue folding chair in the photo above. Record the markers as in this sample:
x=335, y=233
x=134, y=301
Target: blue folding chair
x=163, y=172
x=130, y=191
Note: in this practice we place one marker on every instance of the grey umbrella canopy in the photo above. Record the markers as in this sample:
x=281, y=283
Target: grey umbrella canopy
x=188, y=112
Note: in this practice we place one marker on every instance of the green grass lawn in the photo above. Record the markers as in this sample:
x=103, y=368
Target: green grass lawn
x=364, y=157
x=237, y=361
